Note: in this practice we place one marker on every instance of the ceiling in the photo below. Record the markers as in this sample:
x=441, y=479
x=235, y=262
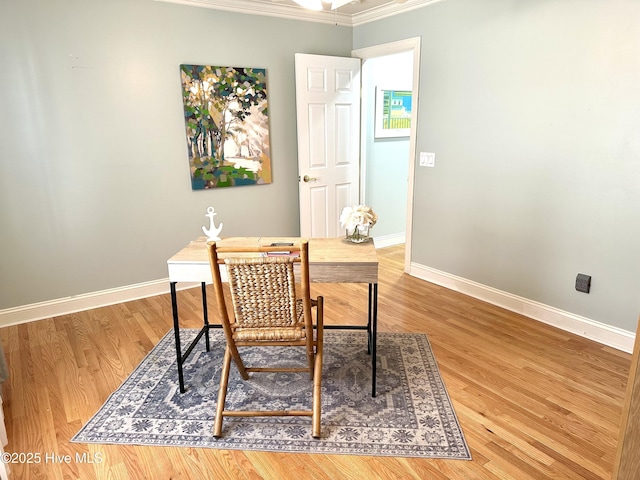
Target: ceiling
x=354, y=13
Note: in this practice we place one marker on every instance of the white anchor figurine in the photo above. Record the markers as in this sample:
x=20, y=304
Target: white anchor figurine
x=212, y=232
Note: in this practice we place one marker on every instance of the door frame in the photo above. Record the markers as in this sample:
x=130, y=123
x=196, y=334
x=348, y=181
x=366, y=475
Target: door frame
x=409, y=44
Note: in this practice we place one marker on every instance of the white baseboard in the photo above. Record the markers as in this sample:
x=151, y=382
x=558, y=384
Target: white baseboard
x=389, y=240
x=582, y=326
x=77, y=303
x=569, y=322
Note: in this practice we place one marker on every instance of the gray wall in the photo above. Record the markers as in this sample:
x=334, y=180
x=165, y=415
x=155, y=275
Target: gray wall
x=94, y=180
x=533, y=110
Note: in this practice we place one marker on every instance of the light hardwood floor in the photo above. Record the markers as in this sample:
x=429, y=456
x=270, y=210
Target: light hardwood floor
x=534, y=402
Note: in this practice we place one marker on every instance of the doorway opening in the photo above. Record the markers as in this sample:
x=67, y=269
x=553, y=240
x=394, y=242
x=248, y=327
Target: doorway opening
x=388, y=164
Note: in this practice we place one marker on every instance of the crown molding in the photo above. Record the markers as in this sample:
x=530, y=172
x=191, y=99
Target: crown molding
x=384, y=11
x=297, y=13
x=269, y=9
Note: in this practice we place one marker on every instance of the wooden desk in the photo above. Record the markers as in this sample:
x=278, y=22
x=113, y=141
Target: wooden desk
x=331, y=260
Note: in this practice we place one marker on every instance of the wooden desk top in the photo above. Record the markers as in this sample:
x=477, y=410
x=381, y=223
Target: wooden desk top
x=331, y=260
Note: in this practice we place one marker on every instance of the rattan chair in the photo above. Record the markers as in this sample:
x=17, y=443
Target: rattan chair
x=267, y=312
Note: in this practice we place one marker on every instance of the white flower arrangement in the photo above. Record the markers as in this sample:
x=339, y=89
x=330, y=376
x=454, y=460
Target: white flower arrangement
x=357, y=220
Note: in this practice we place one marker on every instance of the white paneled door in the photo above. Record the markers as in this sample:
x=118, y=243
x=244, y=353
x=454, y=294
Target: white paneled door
x=328, y=116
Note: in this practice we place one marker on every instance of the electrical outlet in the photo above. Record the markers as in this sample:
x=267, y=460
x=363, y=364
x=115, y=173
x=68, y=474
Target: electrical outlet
x=583, y=283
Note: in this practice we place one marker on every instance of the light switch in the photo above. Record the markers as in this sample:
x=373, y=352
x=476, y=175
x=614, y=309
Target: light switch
x=427, y=159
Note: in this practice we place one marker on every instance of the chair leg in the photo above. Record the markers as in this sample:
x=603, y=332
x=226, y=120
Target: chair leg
x=310, y=365
x=309, y=350
x=317, y=398
x=233, y=350
x=222, y=393
x=317, y=376
x=317, y=303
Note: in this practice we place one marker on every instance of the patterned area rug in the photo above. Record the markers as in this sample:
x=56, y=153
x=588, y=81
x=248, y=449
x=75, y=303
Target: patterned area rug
x=411, y=416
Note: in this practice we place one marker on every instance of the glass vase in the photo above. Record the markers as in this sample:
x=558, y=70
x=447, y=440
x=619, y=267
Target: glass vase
x=358, y=234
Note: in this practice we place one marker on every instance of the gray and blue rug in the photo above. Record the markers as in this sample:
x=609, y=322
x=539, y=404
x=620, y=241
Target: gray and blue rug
x=411, y=416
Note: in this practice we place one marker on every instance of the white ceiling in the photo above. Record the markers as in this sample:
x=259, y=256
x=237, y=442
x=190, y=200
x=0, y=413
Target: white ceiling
x=355, y=13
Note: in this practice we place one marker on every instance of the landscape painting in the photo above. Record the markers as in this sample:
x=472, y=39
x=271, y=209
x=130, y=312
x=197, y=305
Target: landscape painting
x=227, y=127
x=393, y=113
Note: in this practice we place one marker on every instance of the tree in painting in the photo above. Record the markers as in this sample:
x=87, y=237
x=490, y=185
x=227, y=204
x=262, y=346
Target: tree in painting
x=225, y=112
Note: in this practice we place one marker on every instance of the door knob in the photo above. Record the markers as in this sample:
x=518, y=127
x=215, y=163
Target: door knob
x=307, y=178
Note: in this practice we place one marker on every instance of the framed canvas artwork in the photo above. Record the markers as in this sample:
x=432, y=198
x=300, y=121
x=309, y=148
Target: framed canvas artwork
x=227, y=127
x=393, y=113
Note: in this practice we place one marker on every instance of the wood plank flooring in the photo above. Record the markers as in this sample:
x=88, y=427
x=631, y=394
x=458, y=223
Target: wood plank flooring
x=534, y=402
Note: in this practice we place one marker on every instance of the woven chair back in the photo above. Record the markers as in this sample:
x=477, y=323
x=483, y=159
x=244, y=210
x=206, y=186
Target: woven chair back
x=263, y=292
